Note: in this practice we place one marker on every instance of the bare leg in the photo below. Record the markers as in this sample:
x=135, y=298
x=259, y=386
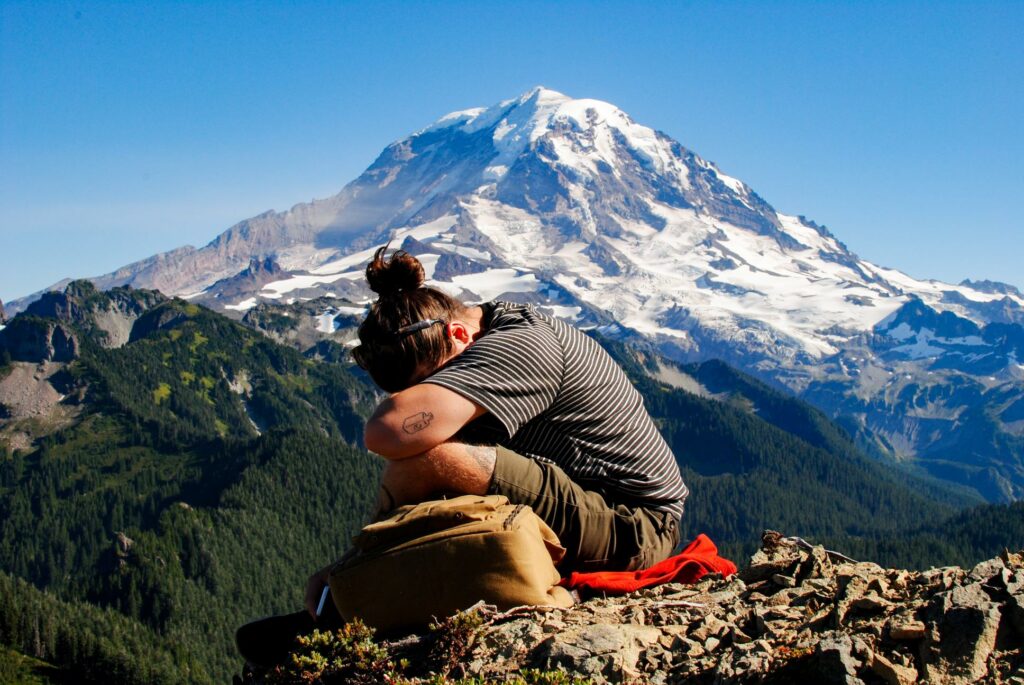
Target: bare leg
x=451, y=468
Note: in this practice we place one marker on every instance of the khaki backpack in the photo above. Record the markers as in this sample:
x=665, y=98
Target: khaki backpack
x=428, y=561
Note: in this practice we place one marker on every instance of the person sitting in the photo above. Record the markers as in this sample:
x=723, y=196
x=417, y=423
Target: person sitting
x=499, y=398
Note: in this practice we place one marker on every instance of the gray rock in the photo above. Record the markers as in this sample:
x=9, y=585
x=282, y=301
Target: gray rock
x=870, y=603
x=509, y=640
x=712, y=626
x=783, y=581
x=602, y=639
x=967, y=622
x=817, y=565
x=835, y=661
x=986, y=569
x=1012, y=581
x=39, y=340
x=602, y=650
x=554, y=653
x=939, y=625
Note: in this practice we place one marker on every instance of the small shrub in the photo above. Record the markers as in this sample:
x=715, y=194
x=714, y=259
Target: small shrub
x=346, y=655
x=452, y=639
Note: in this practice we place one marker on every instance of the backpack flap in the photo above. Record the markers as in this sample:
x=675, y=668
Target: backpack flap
x=417, y=520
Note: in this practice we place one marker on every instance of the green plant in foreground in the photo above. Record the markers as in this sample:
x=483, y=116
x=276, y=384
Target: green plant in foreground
x=534, y=676
x=527, y=677
x=346, y=655
x=452, y=639
x=350, y=656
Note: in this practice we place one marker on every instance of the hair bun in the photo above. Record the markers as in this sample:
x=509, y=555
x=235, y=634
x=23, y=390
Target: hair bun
x=401, y=272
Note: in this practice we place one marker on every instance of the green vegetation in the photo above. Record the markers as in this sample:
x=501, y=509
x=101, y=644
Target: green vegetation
x=962, y=540
x=163, y=391
x=764, y=460
x=351, y=655
x=348, y=654
x=18, y=669
x=178, y=519
x=210, y=470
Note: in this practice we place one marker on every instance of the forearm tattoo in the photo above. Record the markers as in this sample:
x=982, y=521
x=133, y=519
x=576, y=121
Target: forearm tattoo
x=417, y=422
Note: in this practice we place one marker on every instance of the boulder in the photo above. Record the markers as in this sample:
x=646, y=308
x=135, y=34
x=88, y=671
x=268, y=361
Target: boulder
x=966, y=621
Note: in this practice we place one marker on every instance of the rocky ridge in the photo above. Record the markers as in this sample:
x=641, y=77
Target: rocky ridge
x=796, y=613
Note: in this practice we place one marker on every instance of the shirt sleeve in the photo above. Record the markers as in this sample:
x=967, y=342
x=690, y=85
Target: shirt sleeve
x=514, y=373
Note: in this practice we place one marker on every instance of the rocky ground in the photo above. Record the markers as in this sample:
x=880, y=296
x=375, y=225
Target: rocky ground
x=31, y=405
x=796, y=613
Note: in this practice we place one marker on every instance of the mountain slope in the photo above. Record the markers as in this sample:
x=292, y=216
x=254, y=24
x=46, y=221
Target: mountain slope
x=611, y=224
x=205, y=470
x=164, y=497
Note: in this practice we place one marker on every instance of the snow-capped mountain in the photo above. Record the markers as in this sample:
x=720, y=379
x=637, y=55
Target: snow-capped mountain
x=608, y=223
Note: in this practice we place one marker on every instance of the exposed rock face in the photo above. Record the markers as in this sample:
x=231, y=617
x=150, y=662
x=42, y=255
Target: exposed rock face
x=111, y=314
x=795, y=614
x=3, y=315
x=248, y=280
x=308, y=325
x=51, y=328
x=39, y=340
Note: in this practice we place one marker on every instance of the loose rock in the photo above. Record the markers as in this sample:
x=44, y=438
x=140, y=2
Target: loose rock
x=797, y=615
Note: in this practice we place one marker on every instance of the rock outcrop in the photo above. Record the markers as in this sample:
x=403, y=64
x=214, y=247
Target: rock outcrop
x=796, y=613
x=30, y=339
x=109, y=314
x=53, y=328
x=251, y=279
x=793, y=614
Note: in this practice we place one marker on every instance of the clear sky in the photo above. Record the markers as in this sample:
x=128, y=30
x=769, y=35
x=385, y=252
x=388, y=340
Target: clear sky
x=132, y=128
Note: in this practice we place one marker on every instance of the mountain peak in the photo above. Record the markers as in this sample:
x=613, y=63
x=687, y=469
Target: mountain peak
x=520, y=121
x=542, y=94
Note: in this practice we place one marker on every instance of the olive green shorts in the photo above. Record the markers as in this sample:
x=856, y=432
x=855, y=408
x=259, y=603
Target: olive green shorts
x=598, y=536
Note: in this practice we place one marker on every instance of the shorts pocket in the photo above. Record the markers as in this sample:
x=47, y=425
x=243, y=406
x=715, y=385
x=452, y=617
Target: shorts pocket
x=658, y=536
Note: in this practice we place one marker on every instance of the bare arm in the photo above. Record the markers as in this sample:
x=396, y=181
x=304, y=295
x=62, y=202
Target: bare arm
x=416, y=419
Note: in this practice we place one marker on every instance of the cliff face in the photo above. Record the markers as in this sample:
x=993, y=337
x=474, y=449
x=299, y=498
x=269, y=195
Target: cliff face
x=796, y=613
x=37, y=340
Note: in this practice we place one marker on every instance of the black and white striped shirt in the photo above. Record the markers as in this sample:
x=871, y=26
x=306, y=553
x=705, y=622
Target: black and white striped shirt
x=553, y=394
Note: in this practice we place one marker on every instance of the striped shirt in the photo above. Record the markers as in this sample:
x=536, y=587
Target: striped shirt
x=553, y=394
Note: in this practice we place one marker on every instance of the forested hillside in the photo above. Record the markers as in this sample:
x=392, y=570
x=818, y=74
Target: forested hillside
x=210, y=472
x=199, y=471
x=756, y=459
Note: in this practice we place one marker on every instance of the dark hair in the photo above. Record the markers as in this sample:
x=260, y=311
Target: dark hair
x=394, y=357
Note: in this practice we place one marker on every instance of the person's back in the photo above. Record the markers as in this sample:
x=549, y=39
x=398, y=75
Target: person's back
x=553, y=394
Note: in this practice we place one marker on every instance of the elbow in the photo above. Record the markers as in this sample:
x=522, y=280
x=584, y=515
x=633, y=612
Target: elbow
x=380, y=439
x=375, y=438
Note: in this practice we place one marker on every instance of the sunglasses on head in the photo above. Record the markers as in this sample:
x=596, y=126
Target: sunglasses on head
x=417, y=327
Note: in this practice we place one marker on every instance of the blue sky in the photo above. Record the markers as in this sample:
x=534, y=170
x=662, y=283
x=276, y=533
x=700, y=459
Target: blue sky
x=132, y=128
